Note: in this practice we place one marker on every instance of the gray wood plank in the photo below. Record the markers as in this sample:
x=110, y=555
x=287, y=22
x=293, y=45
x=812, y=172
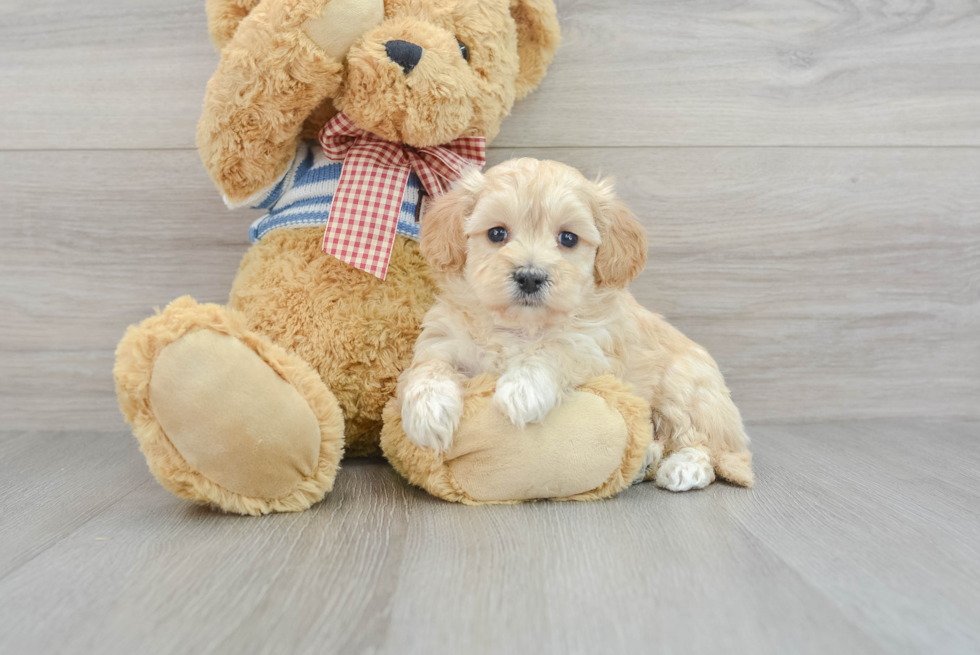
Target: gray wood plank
x=117, y=233
x=162, y=575
x=851, y=542
x=881, y=517
x=116, y=74
x=380, y=567
x=828, y=283
x=53, y=483
x=649, y=571
x=765, y=72
x=102, y=74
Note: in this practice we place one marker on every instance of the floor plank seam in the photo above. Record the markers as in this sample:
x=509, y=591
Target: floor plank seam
x=105, y=508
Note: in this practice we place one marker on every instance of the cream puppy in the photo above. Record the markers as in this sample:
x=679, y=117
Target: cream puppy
x=533, y=262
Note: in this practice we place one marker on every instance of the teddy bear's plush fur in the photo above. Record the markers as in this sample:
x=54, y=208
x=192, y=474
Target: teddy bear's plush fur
x=273, y=74
x=249, y=406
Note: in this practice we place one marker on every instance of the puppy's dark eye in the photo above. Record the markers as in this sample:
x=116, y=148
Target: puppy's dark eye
x=568, y=239
x=463, y=50
x=497, y=234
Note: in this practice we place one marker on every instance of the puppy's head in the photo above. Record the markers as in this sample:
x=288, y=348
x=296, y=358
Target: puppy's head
x=533, y=236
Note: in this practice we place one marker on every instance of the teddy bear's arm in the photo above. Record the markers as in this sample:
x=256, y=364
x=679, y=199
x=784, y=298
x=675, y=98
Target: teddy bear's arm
x=224, y=17
x=270, y=78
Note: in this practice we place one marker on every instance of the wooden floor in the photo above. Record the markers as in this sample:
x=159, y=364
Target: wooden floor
x=809, y=175
x=856, y=540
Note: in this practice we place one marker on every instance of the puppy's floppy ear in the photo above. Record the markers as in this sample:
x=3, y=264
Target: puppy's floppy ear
x=443, y=241
x=538, y=36
x=622, y=254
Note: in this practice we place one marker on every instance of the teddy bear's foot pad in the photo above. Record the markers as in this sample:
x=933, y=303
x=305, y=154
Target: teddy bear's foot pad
x=593, y=445
x=232, y=418
x=224, y=415
x=493, y=460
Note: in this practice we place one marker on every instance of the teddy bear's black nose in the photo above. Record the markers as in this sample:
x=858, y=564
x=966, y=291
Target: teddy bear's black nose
x=405, y=54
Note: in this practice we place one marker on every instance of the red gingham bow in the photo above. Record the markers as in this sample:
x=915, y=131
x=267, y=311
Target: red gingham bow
x=364, y=213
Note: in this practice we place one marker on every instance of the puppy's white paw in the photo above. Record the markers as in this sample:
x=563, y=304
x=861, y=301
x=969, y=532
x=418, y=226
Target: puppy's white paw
x=525, y=395
x=431, y=410
x=688, y=468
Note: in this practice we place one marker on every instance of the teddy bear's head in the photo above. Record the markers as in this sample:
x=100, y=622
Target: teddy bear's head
x=431, y=70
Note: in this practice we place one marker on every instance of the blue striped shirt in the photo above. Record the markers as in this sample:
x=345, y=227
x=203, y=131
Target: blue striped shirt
x=302, y=196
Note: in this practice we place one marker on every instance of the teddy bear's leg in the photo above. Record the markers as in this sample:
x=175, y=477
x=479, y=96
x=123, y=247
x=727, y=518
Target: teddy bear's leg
x=591, y=446
x=223, y=415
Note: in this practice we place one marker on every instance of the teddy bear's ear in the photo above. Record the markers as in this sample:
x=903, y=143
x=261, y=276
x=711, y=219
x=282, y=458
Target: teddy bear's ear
x=538, y=35
x=224, y=17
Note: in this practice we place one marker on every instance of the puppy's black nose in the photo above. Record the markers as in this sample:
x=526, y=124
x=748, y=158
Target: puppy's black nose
x=529, y=281
x=405, y=54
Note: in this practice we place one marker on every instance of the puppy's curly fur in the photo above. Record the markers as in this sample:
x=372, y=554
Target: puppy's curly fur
x=533, y=261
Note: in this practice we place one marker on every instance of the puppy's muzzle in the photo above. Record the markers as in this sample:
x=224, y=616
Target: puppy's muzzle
x=531, y=282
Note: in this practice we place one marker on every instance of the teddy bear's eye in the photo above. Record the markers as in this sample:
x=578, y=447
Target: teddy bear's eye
x=568, y=239
x=497, y=234
x=463, y=50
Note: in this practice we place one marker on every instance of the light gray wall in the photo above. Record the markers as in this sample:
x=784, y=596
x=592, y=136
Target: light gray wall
x=809, y=175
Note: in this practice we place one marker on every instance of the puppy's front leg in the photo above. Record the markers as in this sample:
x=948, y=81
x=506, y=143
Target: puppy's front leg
x=432, y=404
x=526, y=393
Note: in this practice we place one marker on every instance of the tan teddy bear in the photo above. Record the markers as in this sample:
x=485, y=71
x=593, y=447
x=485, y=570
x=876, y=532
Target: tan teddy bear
x=250, y=406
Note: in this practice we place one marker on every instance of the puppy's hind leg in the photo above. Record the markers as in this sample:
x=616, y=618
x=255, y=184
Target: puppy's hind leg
x=695, y=467
x=704, y=439
x=702, y=427
x=688, y=463
x=685, y=469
